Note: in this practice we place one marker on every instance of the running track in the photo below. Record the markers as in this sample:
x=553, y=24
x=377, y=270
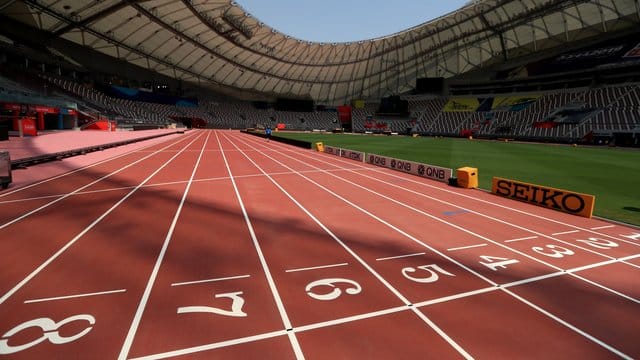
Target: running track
x=219, y=244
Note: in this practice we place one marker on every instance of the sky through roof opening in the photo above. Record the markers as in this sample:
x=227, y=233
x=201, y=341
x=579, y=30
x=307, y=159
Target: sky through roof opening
x=346, y=20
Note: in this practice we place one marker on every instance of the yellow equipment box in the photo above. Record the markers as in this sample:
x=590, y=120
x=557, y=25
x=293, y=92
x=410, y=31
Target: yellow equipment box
x=468, y=177
x=320, y=147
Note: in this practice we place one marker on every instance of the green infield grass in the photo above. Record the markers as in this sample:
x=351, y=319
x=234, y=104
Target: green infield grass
x=611, y=174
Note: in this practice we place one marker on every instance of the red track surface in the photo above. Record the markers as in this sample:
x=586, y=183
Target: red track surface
x=222, y=245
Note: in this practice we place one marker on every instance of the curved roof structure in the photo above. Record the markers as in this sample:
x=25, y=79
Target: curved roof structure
x=218, y=43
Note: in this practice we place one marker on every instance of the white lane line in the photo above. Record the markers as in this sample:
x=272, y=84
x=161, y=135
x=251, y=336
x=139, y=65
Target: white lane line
x=316, y=267
x=84, y=168
x=84, y=187
x=466, y=247
x=457, y=296
x=256, y=244
x=565, y=232
x=353, y=318
x=570, y=326
x=210, y=280
x=521, y=239
x=399, y=257
x=196, y=349
x=603, y=227
x=63, y=249
x=75, y=296
x=369, y=268
x=128, y=342
x=480, y=236
x=533, y=279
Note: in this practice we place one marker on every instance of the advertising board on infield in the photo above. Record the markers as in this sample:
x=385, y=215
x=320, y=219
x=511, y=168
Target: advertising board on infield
x=557, y=199
x=411, y=167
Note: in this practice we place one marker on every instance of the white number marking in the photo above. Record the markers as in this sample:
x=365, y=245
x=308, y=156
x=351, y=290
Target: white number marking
x=236, y=306
x=433, y=277
x=556, y=251
x=599, y=243
x=336, y=292
x=634, y=236
x=50, y=332
x=492, y=264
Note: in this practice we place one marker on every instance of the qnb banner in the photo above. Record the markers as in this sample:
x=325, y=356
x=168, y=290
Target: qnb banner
x=353, y=155
x=411, y=167
x=331, y=150
x=557, y=199
x=349, y=154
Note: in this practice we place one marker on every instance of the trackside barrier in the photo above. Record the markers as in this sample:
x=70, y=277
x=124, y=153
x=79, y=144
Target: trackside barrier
x=411, y=167
x=345, y=153
x=557, y=199
x=353, y=155
x=331, y=150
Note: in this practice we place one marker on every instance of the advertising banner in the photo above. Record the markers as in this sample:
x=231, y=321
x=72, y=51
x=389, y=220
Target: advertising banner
x=557, y=199
x=411, y=167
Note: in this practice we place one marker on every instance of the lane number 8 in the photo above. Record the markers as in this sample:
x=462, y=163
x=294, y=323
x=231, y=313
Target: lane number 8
x=50, y=332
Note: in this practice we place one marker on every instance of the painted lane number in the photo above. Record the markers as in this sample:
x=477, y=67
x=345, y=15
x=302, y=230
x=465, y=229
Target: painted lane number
x=432, y=269
x=599, y=243
x=335, y=292
x=555, y=251
x=50, y=332
x=236, y=306
x=494, y=262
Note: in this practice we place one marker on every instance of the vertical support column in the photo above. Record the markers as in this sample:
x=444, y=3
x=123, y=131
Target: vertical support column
x=16, y=125
x=60, y=122
x=40, y=120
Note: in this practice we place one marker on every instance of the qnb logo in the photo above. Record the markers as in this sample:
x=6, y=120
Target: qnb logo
x=431, y=172
x=353, y=155
x=377, y=160
x=402, y=166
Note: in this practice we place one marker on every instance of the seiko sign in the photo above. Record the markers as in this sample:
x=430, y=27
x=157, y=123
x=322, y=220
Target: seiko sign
x=557, y=199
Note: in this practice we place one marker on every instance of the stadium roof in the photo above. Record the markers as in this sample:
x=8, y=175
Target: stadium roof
x=217, y=43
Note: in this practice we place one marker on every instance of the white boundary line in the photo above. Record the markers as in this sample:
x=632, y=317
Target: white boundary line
x=316, y=267
x=82, y=233
x=466, y=247
x=566, y=232
x=603, y=227
x=210, y=280
x=521, y=239
x=399, y=256
x=201, y=348
x=75, y=296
